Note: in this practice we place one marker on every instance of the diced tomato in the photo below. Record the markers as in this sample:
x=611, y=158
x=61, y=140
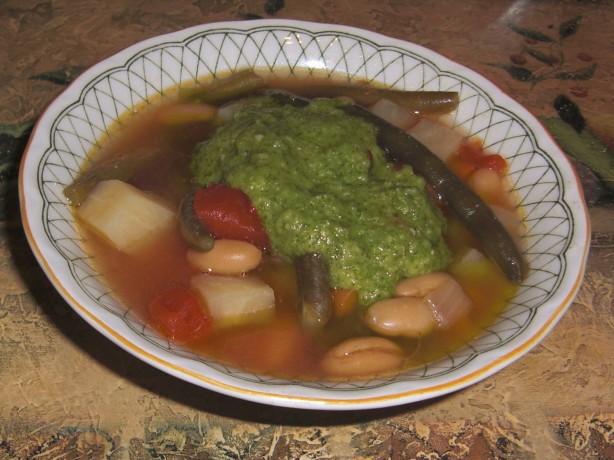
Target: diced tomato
x=495, y=163
x=471, y=151
x=471, y=156
x=177, y=314
x=229, y=213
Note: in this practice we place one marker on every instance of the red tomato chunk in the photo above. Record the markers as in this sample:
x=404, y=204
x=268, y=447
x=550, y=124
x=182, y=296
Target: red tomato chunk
x=178, y=315
x=471, y=156
x=228, y=213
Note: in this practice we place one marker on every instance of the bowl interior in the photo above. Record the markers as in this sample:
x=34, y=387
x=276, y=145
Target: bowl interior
x=555, y=215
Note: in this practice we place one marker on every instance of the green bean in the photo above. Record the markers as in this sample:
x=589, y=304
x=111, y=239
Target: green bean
x=237, y=85
x=121, y=168
x=426, y=102
x=193, y=230
x=315, y=301
x=431, y=102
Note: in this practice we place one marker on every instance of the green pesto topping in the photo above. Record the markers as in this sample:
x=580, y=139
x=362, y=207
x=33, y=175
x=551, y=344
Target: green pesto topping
x=321, y=184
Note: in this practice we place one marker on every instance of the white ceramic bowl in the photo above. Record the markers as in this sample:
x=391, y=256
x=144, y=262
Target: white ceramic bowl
x=556, y=216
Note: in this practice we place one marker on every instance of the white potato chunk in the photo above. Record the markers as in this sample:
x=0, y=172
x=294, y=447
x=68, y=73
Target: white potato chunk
x=234, y=300
x=442, y=140
x=125, y=216
x=395, y=114
x=449, y=303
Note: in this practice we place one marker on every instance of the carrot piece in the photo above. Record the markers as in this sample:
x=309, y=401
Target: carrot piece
x=345, y=301
x=495, y=163
x=471, y=156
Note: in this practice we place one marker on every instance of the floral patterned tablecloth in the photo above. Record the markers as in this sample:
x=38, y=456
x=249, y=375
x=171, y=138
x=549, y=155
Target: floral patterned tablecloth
x=67, y=392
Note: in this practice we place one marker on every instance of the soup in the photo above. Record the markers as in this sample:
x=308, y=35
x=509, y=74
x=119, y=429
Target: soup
x=266, y=271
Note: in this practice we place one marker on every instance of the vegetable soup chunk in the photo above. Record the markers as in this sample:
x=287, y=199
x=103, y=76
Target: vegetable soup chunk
x=124, y=216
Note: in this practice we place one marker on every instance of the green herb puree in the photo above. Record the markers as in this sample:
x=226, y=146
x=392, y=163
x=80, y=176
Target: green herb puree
x=321, y=184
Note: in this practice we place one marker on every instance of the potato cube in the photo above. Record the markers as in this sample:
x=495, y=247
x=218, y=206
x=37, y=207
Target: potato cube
x=234, y=300
x=124, y=216
x=439, y=139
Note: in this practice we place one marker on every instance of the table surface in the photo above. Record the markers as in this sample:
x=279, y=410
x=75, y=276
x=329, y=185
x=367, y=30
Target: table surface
x=67, y=392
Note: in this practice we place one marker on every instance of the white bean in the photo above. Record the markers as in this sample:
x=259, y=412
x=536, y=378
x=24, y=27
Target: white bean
x=404, y=316
x=227, y=257
x=363, y=357
x=419, y=286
